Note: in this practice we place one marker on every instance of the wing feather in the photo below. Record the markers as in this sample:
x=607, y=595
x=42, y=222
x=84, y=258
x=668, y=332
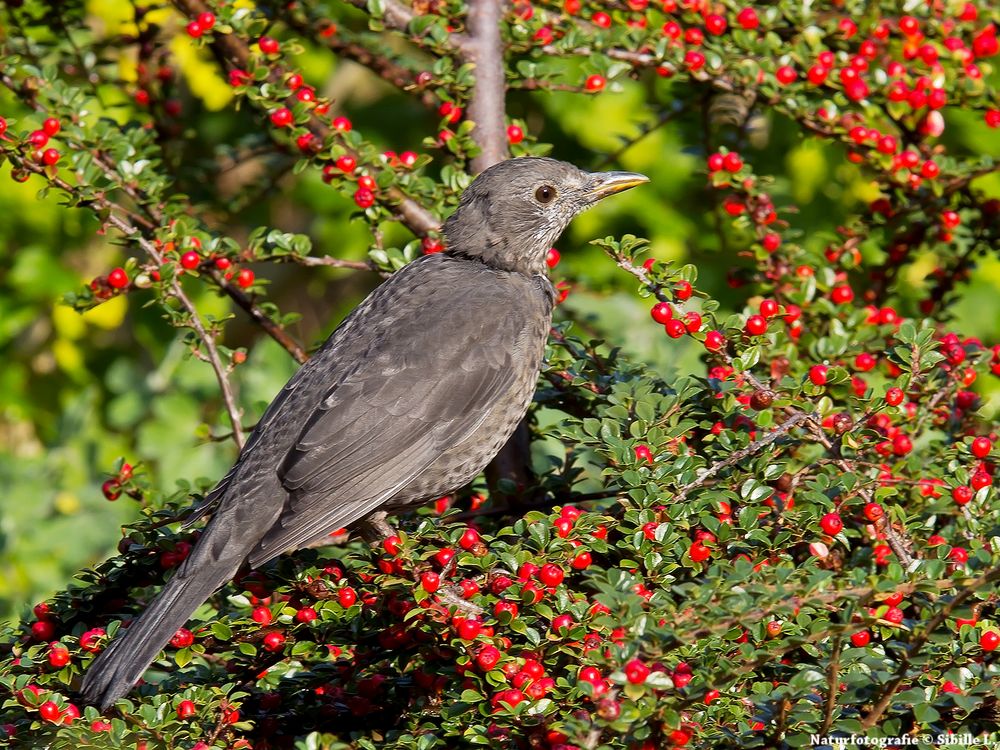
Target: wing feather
x=418, y=390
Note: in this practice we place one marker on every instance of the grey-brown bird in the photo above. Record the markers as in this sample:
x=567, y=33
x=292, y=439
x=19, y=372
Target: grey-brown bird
x=409, y=399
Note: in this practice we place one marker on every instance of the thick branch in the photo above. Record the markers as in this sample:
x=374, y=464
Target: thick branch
x=484, y=49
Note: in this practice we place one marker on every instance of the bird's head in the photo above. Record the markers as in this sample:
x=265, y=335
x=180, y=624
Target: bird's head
x=514, y=211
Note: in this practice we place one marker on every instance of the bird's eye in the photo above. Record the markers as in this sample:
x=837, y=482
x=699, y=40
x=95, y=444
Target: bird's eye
x=545, y=194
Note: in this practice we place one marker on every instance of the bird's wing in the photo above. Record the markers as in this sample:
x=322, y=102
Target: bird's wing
x=426, y=381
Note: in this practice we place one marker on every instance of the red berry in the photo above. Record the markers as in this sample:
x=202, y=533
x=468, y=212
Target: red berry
x=51, y=126
x=683, y=291
x=469, y=539
x=962, y=494
x=514, y=134
x=342, y=124
x=981, y=447
x=698, y=552
x=732, y=162
x=551, y=574
x=694, y=60
x=594, y=83
x=894, y=396
x=305, y=142
x=469, y=629
x=58, y=655
x=989, y=640
x=391, y=545
x=581, y=561
x=487, y=658
x=186, y=709
x=817, y=74
x=831, y=524
x=786, y=74
x=88, y=640
x=245, y=278
x=662, y=312
x=715, y=24
x=444, y=556
x=261, y=615
x=714, y=164
x=873, y=511
x=49, y=711
x=756, y=325
x=601, y=19
x=642, y=453
x=274, y=641
x=194, y=30
x=842, y=294
x=364, y=198
x=714, y=341
x=268, y=45
x=207, y=20
x=861, y=638
x=43, y=630
x=902, y=445
x=282, y=118
x=675, y=328
x=748, y=19
x=636, y=672
x=346, y=163
x=562, y=622
x=347, y=596
x=430, y=581
x=552, y=258
x=980, y=479
x=118, y=279
x=306, y=615
x=111, y=489
x=38, y=138
x=771, y=242
x=182, y=638
x=190, y=260
x=818, y=374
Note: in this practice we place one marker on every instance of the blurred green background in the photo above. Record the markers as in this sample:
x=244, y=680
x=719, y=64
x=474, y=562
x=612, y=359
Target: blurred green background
x=78, y=392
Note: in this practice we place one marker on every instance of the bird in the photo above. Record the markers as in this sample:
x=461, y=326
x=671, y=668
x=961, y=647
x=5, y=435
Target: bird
x=409, y=398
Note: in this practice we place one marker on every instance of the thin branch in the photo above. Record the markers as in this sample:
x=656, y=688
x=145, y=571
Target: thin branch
x=644, y=131
x=274, y=330
x=735, y=458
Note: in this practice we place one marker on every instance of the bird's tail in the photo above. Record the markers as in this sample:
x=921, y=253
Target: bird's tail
x=119, y=667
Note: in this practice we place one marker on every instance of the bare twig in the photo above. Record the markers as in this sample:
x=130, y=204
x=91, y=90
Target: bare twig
x=832, y=682
x=734, y=458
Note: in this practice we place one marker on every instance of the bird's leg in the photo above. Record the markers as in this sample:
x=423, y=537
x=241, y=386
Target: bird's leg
x=374, y=529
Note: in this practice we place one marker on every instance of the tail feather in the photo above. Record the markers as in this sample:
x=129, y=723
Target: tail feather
x=113, y=673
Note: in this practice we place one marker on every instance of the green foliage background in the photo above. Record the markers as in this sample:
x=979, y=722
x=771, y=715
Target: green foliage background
x=79, y=391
